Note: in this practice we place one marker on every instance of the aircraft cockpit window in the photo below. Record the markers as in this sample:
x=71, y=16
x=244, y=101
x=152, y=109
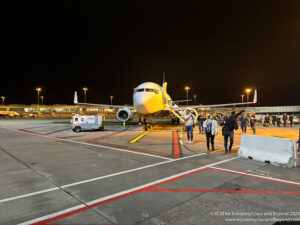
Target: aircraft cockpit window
x=151, y=90
x=139, y=90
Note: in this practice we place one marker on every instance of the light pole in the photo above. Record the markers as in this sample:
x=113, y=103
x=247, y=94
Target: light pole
x=85, y=89
x=248, y=90
x=111, y=98
x=3, y=99
x=187, y=94
x=38, y=95
x=42, y=100
x=242, y=98
x=195, y=96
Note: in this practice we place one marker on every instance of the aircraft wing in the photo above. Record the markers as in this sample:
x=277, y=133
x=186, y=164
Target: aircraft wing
x=227, y=104
x=101, y=105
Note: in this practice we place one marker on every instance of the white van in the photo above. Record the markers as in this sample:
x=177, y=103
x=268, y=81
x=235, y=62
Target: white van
x=87, y=122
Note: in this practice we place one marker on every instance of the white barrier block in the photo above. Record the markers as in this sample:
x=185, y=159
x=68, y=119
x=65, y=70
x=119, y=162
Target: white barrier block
x=277, y=151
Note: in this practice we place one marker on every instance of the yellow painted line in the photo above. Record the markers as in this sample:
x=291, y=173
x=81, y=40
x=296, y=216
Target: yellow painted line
x=139, y=137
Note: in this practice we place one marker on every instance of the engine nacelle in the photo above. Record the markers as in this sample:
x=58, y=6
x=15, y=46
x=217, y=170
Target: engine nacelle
x=124, y=114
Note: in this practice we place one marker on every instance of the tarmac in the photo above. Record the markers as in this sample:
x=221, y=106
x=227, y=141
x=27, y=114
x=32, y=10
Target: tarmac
x=122, y=175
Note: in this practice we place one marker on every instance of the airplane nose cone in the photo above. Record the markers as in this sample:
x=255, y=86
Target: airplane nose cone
x=142, y=102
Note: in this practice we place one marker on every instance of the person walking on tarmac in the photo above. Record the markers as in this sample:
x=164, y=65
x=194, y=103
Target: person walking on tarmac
x=278, y=120
x=210, y=127
x=190, y=120
x=200, y=122
x=253, y=120
x=284, y=119
x=274, y=119
x=267, y=120
x=229, y=124
x=244, y=122
x=291, y=119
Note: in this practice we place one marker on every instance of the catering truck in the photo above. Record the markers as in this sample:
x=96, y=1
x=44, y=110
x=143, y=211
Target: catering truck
x=87, y=122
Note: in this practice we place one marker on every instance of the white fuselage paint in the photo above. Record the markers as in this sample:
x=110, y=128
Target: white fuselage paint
x=148, y=98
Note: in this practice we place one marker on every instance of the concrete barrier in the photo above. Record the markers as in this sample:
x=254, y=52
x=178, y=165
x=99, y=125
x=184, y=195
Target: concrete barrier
x=277, y=151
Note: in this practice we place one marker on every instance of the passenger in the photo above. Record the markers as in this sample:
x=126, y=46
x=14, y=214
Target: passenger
x=267, y=120
x=284, y=119
x=211, y=130
x=253, y=120
x=228, y=124
x=190, y=120
x=274, y=119
x=244, y=122
x=291, y=119
x=278, y=120
x=200, y=122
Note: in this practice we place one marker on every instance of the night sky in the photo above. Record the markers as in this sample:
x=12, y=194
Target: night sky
x=218, y=48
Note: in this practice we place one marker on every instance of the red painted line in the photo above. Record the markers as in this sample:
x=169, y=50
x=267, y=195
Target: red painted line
x=176, y=178
x=176, y=149
x=225, y=191
x=132, y=149
x=254, y=176
x=38, y=133
x=87, y=207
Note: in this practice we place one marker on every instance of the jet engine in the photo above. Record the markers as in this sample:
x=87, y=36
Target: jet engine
x=124, y=114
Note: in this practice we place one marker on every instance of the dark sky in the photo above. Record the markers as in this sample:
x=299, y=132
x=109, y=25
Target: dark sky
x=218, y=48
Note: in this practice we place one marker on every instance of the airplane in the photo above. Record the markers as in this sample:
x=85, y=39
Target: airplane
x=150, y=99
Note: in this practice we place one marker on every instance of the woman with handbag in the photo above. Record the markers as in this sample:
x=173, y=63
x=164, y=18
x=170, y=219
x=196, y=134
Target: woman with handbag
x=210, y=127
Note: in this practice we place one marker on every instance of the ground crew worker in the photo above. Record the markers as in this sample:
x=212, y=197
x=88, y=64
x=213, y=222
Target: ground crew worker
x=190, y=120
x=253, y=120
x=210, y=127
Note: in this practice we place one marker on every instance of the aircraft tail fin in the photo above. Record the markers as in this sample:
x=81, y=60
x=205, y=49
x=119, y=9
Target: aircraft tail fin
x=255, y=97
x=75, y=98
x=164, y=78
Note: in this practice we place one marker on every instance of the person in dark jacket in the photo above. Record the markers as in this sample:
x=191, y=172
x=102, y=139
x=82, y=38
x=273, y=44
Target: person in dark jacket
x=253, y=120
x=267, y=120
x=200, y=120
x=227, y=130
x=291, y=119
x=244, y=122
x=278, y=120
x=284, y=119
x=274, y=119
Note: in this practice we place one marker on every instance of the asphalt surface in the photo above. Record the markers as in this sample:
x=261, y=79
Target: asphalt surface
x=51, y=175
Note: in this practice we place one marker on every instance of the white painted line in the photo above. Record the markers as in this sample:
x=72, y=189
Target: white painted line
x=255, y=175
x=96, y=179
x=94, y=145
x=123, y=192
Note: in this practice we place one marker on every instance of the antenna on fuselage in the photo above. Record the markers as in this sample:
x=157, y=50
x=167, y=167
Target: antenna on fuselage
x=164, y=76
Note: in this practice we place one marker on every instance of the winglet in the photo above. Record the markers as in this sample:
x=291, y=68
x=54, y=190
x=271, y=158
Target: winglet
x=75, y=98
x=255, y=97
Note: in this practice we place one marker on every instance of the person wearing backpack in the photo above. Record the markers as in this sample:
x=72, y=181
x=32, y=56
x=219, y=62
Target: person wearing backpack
x=253, y=120
x=210, y=127
x=229, y=124
x=190, y=121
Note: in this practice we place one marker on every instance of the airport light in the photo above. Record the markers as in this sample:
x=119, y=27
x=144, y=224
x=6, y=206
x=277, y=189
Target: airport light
x=242, y=98
x=3, y=99
x=248, y=90
x=195, y=96
x=187, y=94
x=42, y=100
x=38, y=95
x=111, y=98
x=85, y=89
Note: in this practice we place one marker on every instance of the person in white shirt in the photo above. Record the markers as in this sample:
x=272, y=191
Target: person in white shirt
x=190, y=120
x=210, y=127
